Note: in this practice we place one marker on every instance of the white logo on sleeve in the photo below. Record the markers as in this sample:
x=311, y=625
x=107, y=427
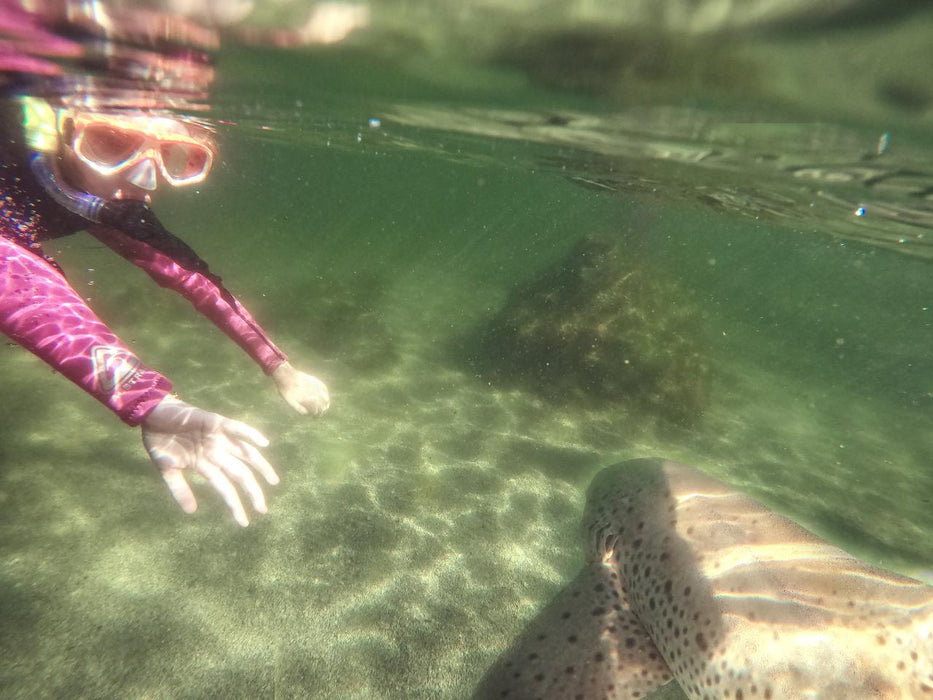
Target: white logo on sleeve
x=114, y=368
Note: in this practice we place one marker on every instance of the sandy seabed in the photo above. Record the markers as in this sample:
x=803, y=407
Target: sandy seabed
x=417, y=525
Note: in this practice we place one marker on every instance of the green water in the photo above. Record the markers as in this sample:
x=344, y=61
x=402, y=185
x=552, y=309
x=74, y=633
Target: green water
x=427, y=516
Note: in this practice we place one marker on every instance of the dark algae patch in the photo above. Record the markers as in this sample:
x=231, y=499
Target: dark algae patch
x=600, y=327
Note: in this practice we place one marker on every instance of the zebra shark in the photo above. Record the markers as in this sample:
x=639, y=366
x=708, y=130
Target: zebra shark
x=690, y=583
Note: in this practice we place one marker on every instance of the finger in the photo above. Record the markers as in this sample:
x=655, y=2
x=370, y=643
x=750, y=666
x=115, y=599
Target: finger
x=240, y=431
x=241, y=475
x=216, y=477
x=318, y=397
x=297, y=406
x=163, y=460
x=181, y=492
x=254, y=458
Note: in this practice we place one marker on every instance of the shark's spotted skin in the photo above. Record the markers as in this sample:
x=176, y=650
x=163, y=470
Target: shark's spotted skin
x=585, y=644
x=738, y=601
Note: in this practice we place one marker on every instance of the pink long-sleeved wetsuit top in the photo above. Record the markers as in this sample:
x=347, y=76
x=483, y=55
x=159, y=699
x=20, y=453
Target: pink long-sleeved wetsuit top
x=40, y=310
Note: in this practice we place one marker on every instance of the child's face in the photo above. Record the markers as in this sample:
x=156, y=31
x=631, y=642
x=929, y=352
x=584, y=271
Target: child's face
x=131, y=156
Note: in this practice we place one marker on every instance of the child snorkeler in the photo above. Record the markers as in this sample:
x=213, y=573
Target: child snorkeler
x=72, y=169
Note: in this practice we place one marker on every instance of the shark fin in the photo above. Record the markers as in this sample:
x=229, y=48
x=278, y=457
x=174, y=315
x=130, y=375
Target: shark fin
x=585, y=645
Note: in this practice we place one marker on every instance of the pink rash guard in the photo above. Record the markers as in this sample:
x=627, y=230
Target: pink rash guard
x=41, y=312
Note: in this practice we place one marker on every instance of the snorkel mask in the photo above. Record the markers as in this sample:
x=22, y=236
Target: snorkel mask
x=87, y=158
x=127, y=155
x=139, y=147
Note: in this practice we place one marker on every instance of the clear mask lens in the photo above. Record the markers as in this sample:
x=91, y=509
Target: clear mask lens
x=108, y=146
x=185, y=161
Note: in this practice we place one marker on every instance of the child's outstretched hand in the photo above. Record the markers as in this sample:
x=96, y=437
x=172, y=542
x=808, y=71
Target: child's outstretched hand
x=304, y=393
x=179, y=436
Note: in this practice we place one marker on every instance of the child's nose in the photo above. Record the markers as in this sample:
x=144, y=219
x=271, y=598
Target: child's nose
x=143, y=175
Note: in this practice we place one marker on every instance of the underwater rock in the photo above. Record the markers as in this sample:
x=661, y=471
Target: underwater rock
x=599, y=327
x=687, y=579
